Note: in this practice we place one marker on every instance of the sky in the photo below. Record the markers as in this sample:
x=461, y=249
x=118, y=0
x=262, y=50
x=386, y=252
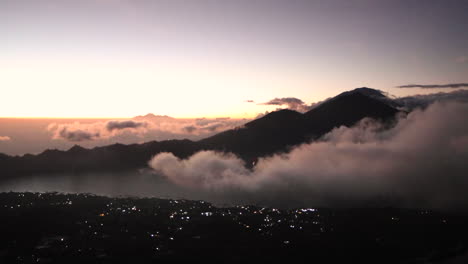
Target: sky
x=202, y=58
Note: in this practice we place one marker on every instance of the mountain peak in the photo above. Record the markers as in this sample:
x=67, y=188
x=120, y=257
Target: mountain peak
x=375, y=94
x=349, y=107
x=76, y=148
x=370, y=92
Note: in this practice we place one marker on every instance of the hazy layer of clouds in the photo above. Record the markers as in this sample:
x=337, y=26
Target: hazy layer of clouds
x=422, y=101
x=420, y=162
x=434, y=86
x=143, y=128
x=77, y=132
x=190, y=129
x=4, y=138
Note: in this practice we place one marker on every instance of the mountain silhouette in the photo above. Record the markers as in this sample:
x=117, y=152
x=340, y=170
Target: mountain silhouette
x=275, y=132
x=280, y=130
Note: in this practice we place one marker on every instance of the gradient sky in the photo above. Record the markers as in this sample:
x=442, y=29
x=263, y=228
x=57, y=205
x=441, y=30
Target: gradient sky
x=193, y=58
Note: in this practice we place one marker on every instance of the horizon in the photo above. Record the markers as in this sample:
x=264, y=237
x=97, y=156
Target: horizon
x=64, y=133
x=258, y=109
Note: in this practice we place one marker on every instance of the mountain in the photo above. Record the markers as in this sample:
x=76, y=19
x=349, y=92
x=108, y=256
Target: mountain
x=275, y=132
x=112, y=158
x=280, y=130
x=267, y=135
x=348, y=108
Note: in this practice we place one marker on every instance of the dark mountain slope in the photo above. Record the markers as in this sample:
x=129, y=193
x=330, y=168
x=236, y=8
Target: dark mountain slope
x=282, y=129
x=112, y=158
x=346, y=109
x=275, y=131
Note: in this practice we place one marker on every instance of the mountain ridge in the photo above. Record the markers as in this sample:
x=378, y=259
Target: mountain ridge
x=275, y=132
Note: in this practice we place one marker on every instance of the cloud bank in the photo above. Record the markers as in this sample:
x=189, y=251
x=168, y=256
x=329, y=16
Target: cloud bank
x=423, y=101
x=434, y=86
x=420, y=162
x=142, y=128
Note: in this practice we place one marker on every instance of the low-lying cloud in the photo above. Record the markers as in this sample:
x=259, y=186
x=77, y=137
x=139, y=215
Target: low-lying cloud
x=118, y=125
x=78, y=132
x=424, y=100
x=77, y=135
x=420, y=162
x=142, y=128
x=435, y=86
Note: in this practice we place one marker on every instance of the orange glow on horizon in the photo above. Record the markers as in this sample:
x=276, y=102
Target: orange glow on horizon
x=98, y=89
x=237, y=116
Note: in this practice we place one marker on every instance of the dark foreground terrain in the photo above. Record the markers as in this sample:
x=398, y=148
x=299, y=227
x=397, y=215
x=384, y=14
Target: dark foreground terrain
x=59, y=228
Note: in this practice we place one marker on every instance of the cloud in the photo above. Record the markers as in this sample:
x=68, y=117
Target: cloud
x=205, y=121
x=291, y=103
x=190, y=129
x=77, y=131
x=118, y=125
x=420, y=162
x=77, y=135
x=260, y=115
x=5, y=138
x=213, y=127
x=422, y=101
x=285, y=101
x=249, y=101
x=434, y=86
x=142, y=128
x=205, y=169
x=195, y=128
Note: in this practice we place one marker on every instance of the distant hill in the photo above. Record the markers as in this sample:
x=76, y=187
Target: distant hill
x=154, y=118
x=275, y=132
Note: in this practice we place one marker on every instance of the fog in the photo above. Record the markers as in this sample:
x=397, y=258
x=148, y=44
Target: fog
x=136, y=184
x=120, y=184
x=421, y=162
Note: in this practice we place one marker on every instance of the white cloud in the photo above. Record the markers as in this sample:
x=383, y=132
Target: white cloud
x=419, y=162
